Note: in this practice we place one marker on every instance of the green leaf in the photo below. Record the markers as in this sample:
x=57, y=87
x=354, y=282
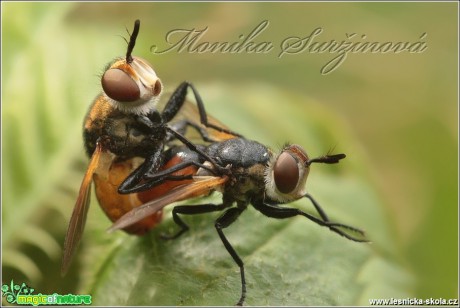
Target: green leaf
x=43, y=103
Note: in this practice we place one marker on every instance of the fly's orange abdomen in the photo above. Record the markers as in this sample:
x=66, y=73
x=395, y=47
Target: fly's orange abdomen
x=115, y=205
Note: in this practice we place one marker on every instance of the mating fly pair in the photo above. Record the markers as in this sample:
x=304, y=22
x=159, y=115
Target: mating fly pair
x=138, y=168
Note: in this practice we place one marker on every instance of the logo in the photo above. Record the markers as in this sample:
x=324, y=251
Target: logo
x=22, y=295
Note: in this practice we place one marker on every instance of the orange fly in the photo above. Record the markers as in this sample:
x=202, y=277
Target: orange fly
x=125, y=137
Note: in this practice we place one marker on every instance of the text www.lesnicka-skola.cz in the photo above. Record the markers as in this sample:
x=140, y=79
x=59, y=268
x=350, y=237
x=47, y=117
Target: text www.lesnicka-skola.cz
x=413, y=301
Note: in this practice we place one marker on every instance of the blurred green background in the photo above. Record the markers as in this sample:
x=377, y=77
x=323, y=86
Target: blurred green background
x=401, y=111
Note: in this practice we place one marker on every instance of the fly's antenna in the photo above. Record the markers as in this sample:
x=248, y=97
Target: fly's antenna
x=132, y=41
x=327, y=159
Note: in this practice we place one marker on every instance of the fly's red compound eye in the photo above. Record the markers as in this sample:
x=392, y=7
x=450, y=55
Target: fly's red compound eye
x=286, y=173
x=119, y=86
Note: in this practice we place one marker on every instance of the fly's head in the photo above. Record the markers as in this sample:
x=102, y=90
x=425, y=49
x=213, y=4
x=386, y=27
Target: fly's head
x=130, y=83
x=287, y=173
